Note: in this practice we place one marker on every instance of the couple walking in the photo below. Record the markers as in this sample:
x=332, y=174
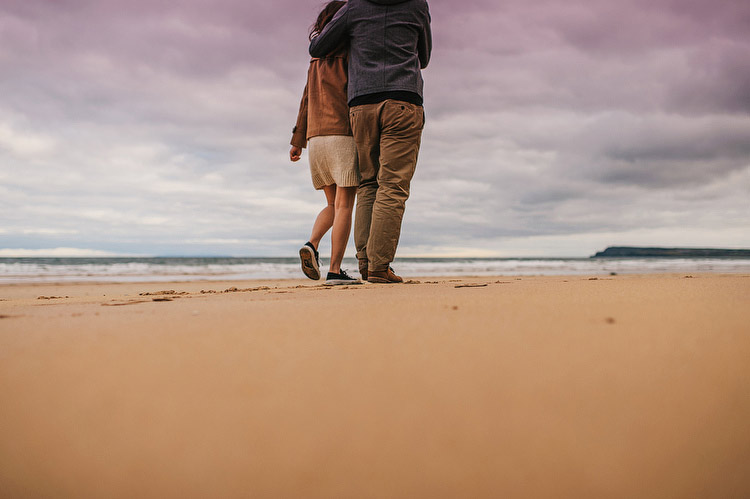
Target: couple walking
x=361, y=119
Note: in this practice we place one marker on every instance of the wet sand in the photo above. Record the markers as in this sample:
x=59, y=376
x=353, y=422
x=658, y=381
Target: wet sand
x=622, y=386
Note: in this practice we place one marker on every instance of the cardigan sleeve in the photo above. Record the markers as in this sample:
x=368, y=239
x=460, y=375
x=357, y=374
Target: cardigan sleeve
x=299, y=132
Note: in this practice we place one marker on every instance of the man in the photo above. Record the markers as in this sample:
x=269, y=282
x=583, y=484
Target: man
x=390, y=42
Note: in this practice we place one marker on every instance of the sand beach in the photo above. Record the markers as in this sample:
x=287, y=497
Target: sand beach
x=560, y=386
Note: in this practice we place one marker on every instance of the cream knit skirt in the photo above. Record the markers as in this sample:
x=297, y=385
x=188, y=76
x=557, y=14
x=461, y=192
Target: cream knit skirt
x=333, y=160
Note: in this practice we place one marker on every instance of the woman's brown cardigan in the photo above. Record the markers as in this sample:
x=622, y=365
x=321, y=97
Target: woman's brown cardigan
x=324, y=109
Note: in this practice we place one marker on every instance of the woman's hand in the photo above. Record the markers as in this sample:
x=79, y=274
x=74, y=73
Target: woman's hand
x=295, y=153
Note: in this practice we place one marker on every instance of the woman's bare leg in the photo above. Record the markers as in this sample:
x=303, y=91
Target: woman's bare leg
x=325, y=218
x=342, y=224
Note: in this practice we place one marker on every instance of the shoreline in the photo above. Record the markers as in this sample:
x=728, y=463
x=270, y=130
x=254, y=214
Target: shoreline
x=547, y=386
x=300, y=279
x=168, y=270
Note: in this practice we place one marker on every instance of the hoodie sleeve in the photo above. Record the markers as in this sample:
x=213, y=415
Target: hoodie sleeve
x=424, y=44
x=335, y=32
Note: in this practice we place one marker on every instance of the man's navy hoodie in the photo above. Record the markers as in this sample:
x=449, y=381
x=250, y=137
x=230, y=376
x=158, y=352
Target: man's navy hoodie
x=390, y=43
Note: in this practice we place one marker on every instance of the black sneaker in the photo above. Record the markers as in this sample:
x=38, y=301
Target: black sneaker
x=334, y=279
x=309, y=258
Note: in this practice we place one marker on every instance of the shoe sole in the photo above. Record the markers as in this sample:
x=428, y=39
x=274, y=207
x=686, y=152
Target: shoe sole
x=341, y=282
x=381, y=280
x=309, y=265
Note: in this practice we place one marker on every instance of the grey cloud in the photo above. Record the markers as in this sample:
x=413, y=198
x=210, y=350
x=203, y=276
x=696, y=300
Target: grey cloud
x=719, y=79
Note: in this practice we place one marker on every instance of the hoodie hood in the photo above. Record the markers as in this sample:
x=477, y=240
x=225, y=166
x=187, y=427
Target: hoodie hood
x=387, y=2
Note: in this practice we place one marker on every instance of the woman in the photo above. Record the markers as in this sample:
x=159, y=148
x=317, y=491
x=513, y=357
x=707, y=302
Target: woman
x=323, y=126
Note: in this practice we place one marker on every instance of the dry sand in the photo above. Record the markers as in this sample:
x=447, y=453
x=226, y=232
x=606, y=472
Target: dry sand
x=625, y=386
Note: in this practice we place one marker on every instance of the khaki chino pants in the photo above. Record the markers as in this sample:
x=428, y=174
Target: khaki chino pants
x=388, y=135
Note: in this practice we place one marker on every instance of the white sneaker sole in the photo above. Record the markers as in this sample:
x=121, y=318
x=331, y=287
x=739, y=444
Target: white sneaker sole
x=309, y=264
x=342, y=282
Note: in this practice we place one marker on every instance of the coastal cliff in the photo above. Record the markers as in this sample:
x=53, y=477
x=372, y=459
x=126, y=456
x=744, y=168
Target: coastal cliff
x=638, y=252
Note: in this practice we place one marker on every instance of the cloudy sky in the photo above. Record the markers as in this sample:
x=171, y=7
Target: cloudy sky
x=554, y=128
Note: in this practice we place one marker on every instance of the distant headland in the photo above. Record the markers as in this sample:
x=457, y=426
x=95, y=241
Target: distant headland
x=632, y=251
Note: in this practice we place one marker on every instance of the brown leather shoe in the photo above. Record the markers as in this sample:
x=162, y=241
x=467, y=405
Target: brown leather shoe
x=384, y=277
x=363, y=269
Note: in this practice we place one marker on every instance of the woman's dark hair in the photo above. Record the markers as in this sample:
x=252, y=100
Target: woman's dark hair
x=325, y=16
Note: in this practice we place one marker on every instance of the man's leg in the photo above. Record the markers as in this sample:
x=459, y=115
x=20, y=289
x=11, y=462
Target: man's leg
x=365, y=123
x=401, y=126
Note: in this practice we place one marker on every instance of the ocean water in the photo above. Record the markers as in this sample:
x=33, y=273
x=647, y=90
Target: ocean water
x=39, y=270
